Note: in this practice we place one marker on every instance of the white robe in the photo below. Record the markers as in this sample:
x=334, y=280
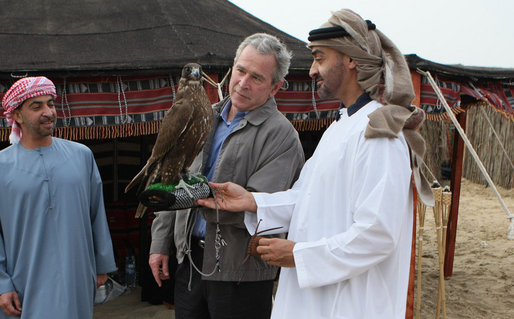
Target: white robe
x=350, y=214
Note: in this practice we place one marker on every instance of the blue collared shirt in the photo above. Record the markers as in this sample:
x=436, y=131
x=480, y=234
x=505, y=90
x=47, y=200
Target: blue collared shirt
x=361, y=101
x=225, y=127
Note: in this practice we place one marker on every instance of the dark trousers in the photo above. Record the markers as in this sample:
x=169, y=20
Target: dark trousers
x=218, y=299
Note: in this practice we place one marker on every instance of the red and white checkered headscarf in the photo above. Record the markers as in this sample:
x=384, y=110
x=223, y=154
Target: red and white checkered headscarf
x=20, y=91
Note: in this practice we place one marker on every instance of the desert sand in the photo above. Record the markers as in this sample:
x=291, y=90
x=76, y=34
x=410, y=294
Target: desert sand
x=482, y=284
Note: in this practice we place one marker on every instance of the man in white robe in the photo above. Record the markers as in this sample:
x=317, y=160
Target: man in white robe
x=350, y=214
x=55, y=247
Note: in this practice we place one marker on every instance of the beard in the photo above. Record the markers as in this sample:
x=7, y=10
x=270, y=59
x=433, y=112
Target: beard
x=47, y=131
x=325, y=92
x=40, y=127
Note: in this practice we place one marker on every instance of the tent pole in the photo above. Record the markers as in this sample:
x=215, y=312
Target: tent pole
x=455, y=184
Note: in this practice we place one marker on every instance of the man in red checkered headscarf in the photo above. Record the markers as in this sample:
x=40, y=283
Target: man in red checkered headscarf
x=22, y=90
x=55, y=245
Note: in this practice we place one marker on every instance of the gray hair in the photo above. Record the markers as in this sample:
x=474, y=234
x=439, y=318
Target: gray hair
x=270, y=45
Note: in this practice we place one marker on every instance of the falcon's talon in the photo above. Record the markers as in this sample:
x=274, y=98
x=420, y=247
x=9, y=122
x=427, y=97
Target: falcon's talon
x=185, y=186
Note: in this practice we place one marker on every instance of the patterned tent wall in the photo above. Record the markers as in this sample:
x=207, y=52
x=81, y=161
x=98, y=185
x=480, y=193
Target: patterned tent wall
x=121, y=107
x=496, y=99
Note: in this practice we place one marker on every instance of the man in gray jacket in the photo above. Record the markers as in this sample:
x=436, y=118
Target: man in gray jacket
x=254, y=145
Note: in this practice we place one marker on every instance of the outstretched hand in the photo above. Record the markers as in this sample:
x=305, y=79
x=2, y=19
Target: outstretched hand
x=229, y=196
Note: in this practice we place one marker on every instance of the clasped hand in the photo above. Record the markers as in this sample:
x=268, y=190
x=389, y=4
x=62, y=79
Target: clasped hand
x=10, y=304
x=277, y=251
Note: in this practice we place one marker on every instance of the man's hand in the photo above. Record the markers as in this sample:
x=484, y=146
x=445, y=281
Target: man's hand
x=10, y=304
x=100, y=279
x=231, y=197
x=159, y=265
x=277, y=251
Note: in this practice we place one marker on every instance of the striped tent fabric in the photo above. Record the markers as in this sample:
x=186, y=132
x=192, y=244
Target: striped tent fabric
x=121, y=107
x=116, y=107
x=429, y=100
x=498, y=95
x=305, y=111
x=110, y=108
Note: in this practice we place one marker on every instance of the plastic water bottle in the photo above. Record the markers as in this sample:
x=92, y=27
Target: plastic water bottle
x=130, y=271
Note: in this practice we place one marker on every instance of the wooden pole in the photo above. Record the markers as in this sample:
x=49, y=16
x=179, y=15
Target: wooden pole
x=455, y=184
x=409, y=311
x=447, y=203
x=437, y=209
x=421, y=208
x=446, y=198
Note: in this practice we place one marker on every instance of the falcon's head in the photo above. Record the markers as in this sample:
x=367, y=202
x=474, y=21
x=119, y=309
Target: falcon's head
x=192, y=72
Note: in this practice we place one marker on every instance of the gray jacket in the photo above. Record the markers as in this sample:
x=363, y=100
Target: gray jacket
x=262, y=154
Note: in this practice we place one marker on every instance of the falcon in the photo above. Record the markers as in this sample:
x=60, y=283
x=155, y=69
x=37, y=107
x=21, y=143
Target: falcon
x=182, y=135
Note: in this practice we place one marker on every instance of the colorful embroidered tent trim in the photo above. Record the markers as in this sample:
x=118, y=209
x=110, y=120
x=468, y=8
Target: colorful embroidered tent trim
x=132, y=107
x=497, y=95
x=99, y=132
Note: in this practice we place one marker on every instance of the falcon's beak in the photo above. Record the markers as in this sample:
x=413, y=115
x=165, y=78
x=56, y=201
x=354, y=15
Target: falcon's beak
x=195, y=72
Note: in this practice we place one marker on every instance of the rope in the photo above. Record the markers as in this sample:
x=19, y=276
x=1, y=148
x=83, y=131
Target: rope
x=431, y=173
x=66, y=119
x=19, y=76
x=216, y=85
x=421, y=209
x=119, y=87
x=313, y=85
x=485, y=99
x=218, y=243
x=173, y=93
x=497, y=137
x=471, y=150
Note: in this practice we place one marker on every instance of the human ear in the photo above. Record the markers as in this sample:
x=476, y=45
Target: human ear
x=351, y=63
x=275, y=88
x=16, y=115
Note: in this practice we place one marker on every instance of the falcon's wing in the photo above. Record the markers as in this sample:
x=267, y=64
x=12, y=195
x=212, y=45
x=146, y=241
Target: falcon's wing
x=173, y=125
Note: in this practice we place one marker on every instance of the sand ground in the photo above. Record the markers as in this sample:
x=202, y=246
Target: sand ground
x=482, y=284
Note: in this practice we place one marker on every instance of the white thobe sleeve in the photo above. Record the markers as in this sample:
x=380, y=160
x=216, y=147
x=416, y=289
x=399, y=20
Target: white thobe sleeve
x=273, y=210
x=379, y=206
x=276, y=209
